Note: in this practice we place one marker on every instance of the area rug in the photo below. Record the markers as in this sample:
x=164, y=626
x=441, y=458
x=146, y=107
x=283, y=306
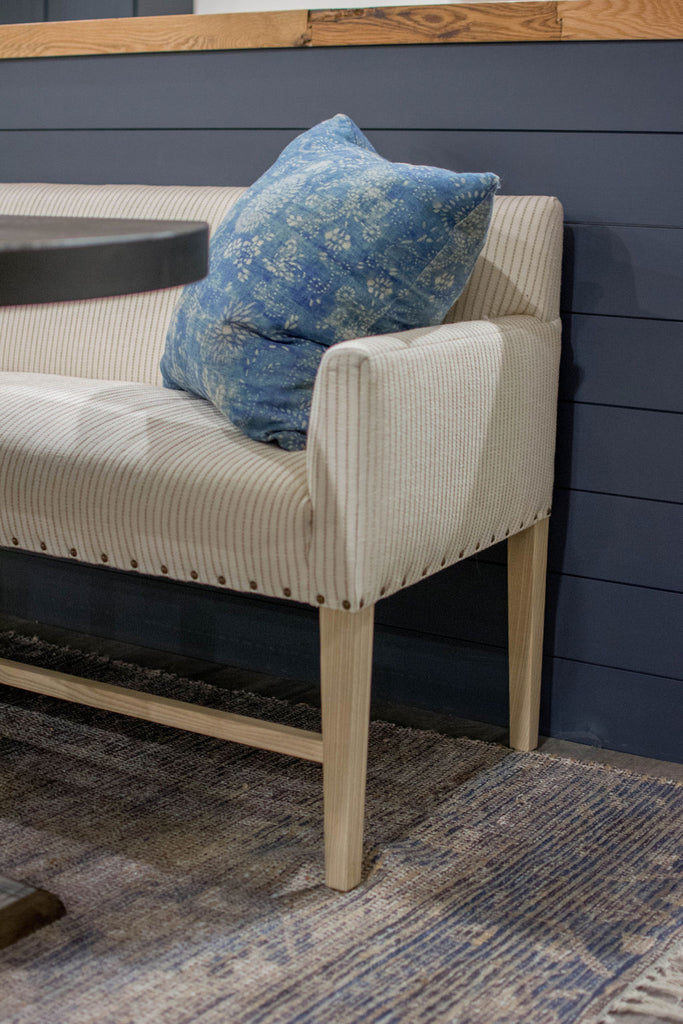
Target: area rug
x=499, y=888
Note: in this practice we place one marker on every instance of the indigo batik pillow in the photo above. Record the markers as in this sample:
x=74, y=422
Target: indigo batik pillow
x=332, y=242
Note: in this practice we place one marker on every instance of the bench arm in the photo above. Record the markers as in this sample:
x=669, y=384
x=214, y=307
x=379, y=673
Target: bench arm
x=425, y=446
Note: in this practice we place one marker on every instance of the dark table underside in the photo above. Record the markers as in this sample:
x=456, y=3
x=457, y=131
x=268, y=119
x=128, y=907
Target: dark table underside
x=51, y=259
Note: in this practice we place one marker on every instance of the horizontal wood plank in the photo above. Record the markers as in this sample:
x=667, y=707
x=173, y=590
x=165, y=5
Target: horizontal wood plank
x=626, y=627
x=527, y=21
x=621, y=19
x=597, y=177
x=223, y=725
x=630, y=452
x=623, y=271
x=248, y=30
x=622, y=361
x=442, y=23
x=235, y=90
x=611, y=538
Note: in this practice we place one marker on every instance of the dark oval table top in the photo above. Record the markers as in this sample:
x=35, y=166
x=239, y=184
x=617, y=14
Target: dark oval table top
x=51, y=259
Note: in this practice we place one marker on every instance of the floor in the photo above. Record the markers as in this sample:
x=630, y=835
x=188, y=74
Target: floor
x=288, y=689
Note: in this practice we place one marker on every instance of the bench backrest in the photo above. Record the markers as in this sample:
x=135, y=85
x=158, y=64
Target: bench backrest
x=122, y=338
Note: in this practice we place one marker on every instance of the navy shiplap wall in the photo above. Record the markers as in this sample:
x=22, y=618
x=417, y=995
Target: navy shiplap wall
x=25, y=11
x=597, y=124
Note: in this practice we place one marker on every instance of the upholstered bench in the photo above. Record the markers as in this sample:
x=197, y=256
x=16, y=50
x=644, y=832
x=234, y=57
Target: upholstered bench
x=424, y=447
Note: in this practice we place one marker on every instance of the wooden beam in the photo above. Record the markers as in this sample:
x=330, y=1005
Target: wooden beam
x=167, y=33
x=621, y=19
x=440, y=23
x=207, y=721
x=525, y=21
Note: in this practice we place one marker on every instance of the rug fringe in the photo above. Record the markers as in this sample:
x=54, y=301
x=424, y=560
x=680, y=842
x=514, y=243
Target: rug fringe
x=656, y=997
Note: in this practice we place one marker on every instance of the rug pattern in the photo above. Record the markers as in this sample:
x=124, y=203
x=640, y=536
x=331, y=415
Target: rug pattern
x=499, y=888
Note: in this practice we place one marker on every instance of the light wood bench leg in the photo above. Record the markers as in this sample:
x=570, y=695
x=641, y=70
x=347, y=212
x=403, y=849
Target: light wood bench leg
x=527, y=560
x=345, y=673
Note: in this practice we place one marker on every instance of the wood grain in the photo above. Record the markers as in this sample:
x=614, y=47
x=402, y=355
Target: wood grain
x=345, y=673
x=207, y=721
x=440, y=23
x=527, y=562
x=185, y=32
x=525, y=21
x=621, y=19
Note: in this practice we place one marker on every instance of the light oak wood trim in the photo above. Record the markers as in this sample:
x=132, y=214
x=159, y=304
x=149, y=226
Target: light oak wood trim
x=527, y=561
x=167, y=33
x=621, y=19
x=207, y=721
x=440, y=23
x=528, y=21
x=345, y=674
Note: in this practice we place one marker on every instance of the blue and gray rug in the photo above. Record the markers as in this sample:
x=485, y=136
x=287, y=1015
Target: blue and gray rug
x=499, y=888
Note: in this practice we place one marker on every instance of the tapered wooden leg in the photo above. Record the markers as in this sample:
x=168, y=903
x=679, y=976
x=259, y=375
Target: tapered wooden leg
x=527, y=559
x=345, y=672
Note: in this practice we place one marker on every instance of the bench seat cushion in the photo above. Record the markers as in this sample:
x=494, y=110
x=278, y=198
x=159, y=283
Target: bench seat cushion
x=138, y=477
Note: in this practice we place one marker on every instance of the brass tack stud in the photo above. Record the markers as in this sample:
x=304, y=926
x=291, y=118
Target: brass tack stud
x=361, y=603
x=320, y=599
x=476, y=546
x=382, y=592
x=287, y=592
x=253, y=584
x=105, y=558
x=221, y=580
x=493, y=538
x=133, y=563
x=194, y=574
x=73, y=552
x=164, y=569
x=443, y=562
x=14, y=540
x=346, y=605
x=403, y=582
x=43, y=546
x=425, y=570
x=462, y=554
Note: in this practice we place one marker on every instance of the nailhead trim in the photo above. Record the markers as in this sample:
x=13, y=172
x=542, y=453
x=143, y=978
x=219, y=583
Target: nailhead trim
x=221, y=580
x=443, y=562
x=320, y=599
x=133, y=563
x=194, y=574
x=381, y=593
x=253, y=584
x=43, y=546
x=14, y=540
x=105, y=558
x=287, y=592
x=346, y=605
x=164, y=569
x=462, y=554
x=73, y=552
x=361, y=603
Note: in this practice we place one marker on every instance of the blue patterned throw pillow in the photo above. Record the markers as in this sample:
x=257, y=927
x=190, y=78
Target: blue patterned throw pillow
x=332, y=242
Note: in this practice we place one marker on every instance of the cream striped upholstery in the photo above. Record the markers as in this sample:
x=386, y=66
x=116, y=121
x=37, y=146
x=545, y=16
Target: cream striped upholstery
x=424, y=446
x=518, y=270
x=111, y=339
x=400, y=487
x=137, y=473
